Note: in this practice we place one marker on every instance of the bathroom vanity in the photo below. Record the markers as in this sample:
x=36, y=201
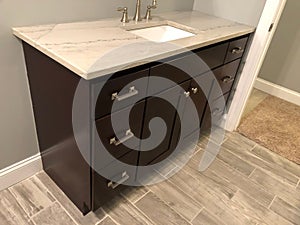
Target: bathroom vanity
x=60, y=57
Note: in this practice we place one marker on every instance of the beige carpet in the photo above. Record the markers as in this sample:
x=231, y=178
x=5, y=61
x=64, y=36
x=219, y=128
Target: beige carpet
x=275, y=124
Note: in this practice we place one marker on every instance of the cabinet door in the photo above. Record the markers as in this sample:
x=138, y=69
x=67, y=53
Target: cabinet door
x=195, y=100
x=159, y=106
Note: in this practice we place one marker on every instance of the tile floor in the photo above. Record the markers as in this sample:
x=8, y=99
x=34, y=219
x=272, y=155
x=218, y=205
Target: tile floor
x=246, y=184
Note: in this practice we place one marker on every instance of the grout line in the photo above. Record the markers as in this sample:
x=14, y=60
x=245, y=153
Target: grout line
x=141, y=212
x=68, y=213
x=97, y=223
x=256, y=145
x=36, y=214
x=171, y=207
x=113, y=220
x=252, y=172
x=133, y=202
x=105, y=217
x=191, y=221
x=272, y=201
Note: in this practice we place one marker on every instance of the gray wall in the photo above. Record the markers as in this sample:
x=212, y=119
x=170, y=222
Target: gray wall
x=243, y=11
x=17, y=133
x=282, y=64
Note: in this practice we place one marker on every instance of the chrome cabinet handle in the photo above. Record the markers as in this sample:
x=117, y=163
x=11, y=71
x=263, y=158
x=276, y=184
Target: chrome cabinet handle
x=114, y=185
x=195, y=90
x=237, y=50
x=187, y=94
x=132, y=92
x=227, y=79
x=116, y=142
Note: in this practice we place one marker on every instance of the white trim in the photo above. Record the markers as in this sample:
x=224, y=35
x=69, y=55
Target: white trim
x=261, y=42
x=278, y=91
x=20, y=171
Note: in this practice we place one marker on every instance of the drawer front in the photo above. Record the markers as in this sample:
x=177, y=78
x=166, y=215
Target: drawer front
x=236, y=49
x=215, y=109
x=108, y=137
x=178, y=71
x=111, y=93
x=214, y=56
x=106, y=188
x=225, y=75
x=186, y=67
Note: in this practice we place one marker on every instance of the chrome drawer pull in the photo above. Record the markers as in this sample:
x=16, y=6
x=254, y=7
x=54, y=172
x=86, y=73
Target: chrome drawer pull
x=132, y=92
x=227, y=79
x=195, y=90
x=187, y=94
x=114, y=185
x=237, y=50
x=116, y=142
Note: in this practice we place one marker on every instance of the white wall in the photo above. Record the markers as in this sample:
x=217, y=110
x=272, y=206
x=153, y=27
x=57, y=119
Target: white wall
x=243, y=11
x=282, y=63
x=17, y=133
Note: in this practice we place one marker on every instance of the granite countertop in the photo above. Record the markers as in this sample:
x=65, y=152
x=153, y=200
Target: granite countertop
x=95, y=48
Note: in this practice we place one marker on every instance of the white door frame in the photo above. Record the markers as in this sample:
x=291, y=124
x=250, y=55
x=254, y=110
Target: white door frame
x=261, y=41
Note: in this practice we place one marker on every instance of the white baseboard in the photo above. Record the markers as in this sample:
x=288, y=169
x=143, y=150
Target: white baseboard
x=277, y=91
x=20, y=171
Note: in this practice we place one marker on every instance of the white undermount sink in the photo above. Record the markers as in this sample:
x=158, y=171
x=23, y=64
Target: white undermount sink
x=162, y=33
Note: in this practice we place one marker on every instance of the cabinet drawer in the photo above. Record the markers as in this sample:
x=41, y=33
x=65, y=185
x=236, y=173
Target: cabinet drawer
x=111, y=92
x=225, y=75
x=236, y=49
x=108, y=137
x=215, y=109
x=106, y=188
x=213, y=56
x=178, y=71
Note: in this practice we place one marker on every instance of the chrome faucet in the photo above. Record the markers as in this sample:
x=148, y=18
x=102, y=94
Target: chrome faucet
x=137, y=17
x=149, y=7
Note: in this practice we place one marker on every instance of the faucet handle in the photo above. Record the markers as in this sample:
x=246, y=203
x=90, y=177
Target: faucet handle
x=124, y=18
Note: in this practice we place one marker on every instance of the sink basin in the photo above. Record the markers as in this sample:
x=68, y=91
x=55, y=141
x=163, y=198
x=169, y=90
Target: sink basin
x=163, y=33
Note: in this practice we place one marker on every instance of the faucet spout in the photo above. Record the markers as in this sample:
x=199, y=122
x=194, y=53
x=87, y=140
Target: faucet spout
x=137, y=17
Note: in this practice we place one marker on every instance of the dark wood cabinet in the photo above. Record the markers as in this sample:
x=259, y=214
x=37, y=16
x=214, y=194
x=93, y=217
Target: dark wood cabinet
x=53, y=88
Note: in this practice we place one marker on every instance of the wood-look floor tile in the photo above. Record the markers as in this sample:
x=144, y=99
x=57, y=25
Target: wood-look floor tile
x=256, y=212
x=209, y=178
x=124, y=212
x=242, y=182
x=158, y=211
x=286, y=210
x=207, y=218
x=238, y=142
x=235, y=162
x=134, y=193
x=107, y=221
x=32, y=195
x=212, y=199
x=274, y=158
x=177, y=199
x=273, y=185
x=250, y=157
x=53, y=215
x=10, y=211
x=89, y=219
